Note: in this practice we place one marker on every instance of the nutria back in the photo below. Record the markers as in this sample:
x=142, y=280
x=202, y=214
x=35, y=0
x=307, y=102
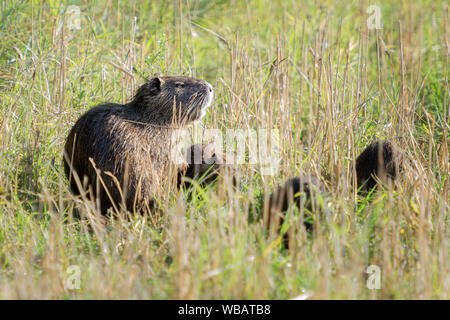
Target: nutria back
x=120, y=153
x=296, y=191
x=382, y=160
x=291, y=192
x=203, y=164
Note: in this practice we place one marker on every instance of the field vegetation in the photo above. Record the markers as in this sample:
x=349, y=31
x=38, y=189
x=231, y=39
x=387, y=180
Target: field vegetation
x=316, y=71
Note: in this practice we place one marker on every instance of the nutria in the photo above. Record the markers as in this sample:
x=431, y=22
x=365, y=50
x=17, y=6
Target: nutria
x=294, y=191
x=203, y=164
x=381, y=160
x=132, y=141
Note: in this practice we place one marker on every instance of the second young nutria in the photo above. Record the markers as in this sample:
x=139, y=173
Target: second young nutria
x=294, y=192
x=381, y=160
x=203, y=164
x=130, y=144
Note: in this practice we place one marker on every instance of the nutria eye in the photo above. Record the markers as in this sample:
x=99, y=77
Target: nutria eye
x=179, y=84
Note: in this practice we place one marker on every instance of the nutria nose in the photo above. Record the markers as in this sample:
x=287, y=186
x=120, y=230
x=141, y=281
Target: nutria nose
x=210, y=88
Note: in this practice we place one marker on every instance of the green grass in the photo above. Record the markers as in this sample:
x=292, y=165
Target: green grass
x=310, y=69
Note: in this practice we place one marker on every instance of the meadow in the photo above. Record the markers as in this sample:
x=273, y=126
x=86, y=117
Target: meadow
x=330, y=76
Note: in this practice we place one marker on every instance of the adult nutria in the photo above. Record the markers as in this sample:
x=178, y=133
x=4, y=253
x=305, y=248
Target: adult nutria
x=295, y=191
x=203, y=164
x=381, y=160
x=132, y=141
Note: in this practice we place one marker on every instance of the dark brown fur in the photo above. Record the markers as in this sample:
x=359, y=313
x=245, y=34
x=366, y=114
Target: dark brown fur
x=132, y=141
x=292, y=192
x=203, y=164
x=381, y=159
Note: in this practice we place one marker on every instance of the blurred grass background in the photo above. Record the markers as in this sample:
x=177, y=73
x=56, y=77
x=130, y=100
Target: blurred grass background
x=311, y=69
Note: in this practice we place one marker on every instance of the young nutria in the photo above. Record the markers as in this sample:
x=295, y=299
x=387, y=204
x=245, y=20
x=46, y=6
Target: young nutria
x=293, y=192
x=132, y=141
x=203, y=164
x=381, y=159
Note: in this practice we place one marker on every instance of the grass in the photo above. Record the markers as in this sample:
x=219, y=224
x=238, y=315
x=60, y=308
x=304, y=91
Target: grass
x=313, y=70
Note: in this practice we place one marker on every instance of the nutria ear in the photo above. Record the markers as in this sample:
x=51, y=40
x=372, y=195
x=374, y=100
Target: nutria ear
x=154, y=85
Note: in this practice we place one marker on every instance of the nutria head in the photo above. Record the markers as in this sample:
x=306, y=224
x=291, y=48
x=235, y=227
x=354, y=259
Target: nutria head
x=168, y=99
x=203, y=164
